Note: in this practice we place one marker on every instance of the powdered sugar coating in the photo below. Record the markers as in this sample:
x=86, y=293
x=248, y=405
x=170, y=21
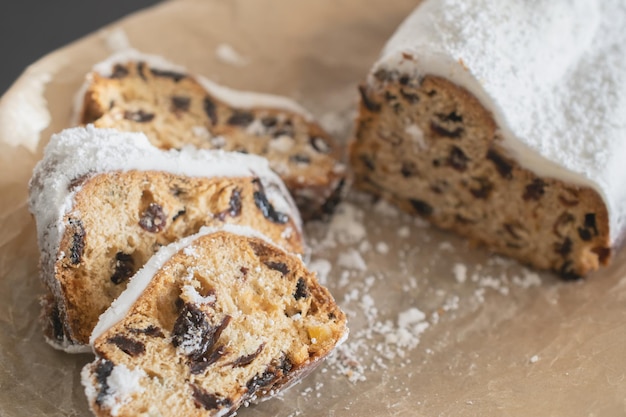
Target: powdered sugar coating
x=551, y=72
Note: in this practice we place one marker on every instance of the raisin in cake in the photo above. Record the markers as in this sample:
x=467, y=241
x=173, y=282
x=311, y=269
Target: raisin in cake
x=503, y=121
x=139, y=92
x=211, y=321
x=105, y=201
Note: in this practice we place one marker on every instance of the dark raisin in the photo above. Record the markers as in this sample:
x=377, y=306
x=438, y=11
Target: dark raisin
x=124, y=268
x=209, y=401
x=333, y=200
x=367, y=102
x=278, y=266
x=300, y=159
x=484, y=188
x=442, y=131
x=562, y=224
x=384, y=75
x=119, y=71
x=319, y=144
x=269, y=121
x=590, y=223
x=138, y=116
x=192, y=328
x=535, y=190
x=179, y=213
x=244, y=271
x=234, y=204
x=56, y=322
x=127, y=345
x=584, y=234
x=260, y=200
x=141, y=70
x=176, y=76
x=567, y=272
x=515, y=230
x=410, y=97
x=389, y=96
x=78, y=181
x=103, y=371
x=78, y=241
x=457, y=159
x=246, y=360
x=151, y=330
x=421, y=207
x=181, y=103
x=504, y=168
x=260, y=249
x=302, y=291
x=404, y=79
x=563, y=248
x=240, y=118
x=211, y=111
x=153, y=220
x=367, y=161
x=260, y=380
x=199, y=366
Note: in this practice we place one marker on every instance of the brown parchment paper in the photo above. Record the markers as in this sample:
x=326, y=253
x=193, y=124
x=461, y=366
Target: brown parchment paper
x=494, y=345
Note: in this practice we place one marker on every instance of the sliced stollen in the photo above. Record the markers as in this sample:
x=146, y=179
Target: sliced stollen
x=132, y=91
x=211, y=322
x=104, y=202
x=486, y=119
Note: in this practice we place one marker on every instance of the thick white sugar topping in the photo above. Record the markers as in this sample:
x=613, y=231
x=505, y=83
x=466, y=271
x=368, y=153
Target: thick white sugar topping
x=234, y=98
x=140, y=281
x=80, y=151
x=552, y=72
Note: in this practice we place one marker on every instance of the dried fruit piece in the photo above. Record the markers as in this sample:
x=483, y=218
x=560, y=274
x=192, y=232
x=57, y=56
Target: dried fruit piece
x=119, y=71
x=78, y=241
x=154, y=219
x=151, y=330
x=240, y=118
x=278, y=266
x=262, y=203
x=138, y=116
x=209, y=108
x=124, y=268
x=319, y=144
x=302, y=291
x=421, y=207
x=447, y=125
x=367, y=102
x=535, y=190
x=200, y=365
x=181, y=103
x=176, y=76
x=209, y=401
x=103, y=371
x=504, y=168
x=194, y=334
x=483, y=188
x=457, y=159
x=127, y=345
x=245, y=360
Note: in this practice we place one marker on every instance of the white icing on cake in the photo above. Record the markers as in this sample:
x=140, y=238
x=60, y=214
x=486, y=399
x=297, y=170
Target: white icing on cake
x=552, y=72
x=140, y=281
x=233, y=98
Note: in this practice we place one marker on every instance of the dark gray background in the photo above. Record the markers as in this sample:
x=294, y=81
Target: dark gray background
x=29, y=29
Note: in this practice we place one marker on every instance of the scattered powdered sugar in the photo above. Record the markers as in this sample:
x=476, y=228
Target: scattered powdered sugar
x=121, y=384
x=394, y=313
x=192, y=295
x=534, y=359
x=228, y=55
